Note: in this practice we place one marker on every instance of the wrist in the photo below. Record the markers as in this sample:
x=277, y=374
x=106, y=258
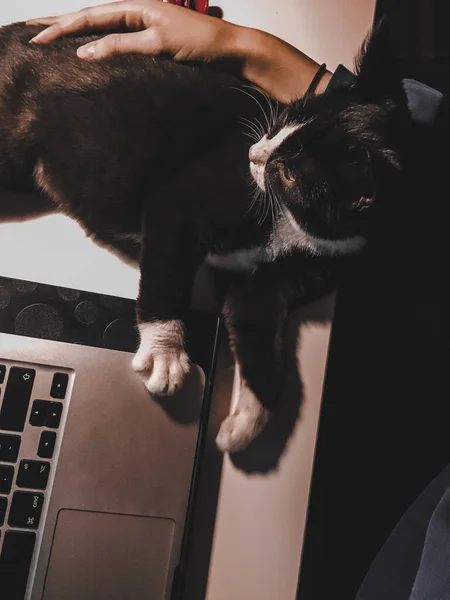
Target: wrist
x=279, y=69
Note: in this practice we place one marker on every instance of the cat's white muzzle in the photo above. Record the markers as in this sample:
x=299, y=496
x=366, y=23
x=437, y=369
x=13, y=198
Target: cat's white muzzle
x=257, y=171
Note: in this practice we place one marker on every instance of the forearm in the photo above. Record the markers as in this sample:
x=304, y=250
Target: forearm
x=275, y=66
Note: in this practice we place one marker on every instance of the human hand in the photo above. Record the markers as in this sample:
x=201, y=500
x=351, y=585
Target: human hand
x=153, y=27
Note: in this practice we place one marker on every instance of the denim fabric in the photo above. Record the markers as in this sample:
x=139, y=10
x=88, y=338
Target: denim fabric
x=433, y=577
x=414, y=563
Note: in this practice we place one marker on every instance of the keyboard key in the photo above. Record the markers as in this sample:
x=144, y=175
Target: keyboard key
x=26, y=509
x=3, y=505
x=16, y=399
x=15, y=562
x=47, y=444
x=6, y=479
x=9, y=447
x=59, y=385
x=2, y=373
x=38, y=413
x=33, y=474
x=54, y=412
x=44, y=413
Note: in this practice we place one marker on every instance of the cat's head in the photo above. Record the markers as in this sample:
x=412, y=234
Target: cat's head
x=324, y=159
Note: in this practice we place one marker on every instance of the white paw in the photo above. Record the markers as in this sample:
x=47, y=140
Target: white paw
x=162, y=372
x=161, y=361
x=239, y=429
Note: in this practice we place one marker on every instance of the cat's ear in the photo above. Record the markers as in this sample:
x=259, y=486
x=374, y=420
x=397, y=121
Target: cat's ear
x=378, y=74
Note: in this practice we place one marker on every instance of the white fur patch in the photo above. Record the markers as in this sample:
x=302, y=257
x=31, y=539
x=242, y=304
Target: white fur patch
x=247, y=421
x=161, y=361
x=289, y=235
x=243, y=260
x=263, y=150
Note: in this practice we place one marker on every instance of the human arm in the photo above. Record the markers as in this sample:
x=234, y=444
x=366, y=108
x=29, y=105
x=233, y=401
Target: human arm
x=155, y=27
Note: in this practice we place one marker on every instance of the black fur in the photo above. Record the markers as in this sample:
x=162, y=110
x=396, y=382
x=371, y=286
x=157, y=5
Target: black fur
x=137, y=146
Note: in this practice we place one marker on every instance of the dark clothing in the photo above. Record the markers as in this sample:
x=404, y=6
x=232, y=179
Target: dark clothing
x=423, y=100
x=414, y=563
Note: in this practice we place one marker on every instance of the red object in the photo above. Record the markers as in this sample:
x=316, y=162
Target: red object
x=200, y=6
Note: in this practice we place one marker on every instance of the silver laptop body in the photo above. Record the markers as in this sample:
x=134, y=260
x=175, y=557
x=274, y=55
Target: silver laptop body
x=99, y=477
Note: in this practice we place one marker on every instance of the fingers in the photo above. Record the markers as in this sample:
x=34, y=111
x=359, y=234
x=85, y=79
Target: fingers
x=98, y=18
x=43, y=21
x=139, y=41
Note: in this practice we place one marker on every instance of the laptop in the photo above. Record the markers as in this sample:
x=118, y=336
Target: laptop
x=97, y=477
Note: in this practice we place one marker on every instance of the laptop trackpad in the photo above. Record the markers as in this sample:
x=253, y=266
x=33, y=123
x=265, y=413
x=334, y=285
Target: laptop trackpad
x=102, y=556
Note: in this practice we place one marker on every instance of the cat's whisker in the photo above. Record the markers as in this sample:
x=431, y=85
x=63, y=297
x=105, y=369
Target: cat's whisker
x=261, y=208
x=257, y=102
x=277, y=203
x=251, y=132
x=251, y=136
x=258, y=127
x=273, y=117
x=259, y=201
x=270, y=103
x=247, y=123
x=273, y=206
x=266, y=208
x=256, y=197
x=272, y=211
x=276, y=112
x=261, y=128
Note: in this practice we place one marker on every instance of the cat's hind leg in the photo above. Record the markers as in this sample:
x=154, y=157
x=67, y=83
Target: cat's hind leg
x=255, y=315
x=256, y=312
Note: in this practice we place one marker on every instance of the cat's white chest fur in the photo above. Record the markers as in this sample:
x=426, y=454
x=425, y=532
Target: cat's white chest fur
x=287, y=236
x=243, y=260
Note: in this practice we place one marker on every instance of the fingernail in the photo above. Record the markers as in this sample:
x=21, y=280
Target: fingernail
x=37, y=38
x=86, y=51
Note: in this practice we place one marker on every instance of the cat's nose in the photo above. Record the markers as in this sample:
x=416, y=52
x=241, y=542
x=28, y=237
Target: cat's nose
x=256, y=157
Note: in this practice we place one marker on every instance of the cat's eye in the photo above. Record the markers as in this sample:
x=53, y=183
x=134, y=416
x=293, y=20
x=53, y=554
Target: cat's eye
x=288, y=176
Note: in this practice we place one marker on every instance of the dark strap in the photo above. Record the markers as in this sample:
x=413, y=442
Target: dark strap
x=315, y=82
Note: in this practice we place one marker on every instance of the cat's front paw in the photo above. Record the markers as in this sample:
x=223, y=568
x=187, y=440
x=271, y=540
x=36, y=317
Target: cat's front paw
x=246, y=422
x=161, y=361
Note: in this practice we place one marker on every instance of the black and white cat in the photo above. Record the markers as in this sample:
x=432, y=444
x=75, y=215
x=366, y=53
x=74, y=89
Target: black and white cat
x=152, y=159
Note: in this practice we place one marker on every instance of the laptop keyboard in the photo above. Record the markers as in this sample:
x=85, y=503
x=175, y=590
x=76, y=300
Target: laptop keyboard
x=33, y=406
